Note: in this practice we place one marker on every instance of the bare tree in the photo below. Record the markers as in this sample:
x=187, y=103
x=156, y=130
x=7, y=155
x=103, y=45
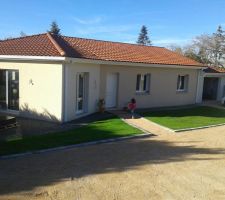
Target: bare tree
x=207, y=49
x=176, y=48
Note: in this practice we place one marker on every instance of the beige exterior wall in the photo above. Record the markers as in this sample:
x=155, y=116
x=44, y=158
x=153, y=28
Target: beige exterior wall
x=163, y=86
x=71, y=71
x=43, y=98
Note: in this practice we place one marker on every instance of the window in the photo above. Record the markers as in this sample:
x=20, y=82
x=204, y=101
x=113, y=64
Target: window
x=82, y=84
x=143, y=83
x=182, y=83
x=9, y=89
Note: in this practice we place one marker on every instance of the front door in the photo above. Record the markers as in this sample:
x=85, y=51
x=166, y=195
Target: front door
x=111, y=90
x=9, y=89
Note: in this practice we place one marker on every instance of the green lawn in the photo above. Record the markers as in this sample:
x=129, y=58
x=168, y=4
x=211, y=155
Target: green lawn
x=187, y=117
x=104, y=129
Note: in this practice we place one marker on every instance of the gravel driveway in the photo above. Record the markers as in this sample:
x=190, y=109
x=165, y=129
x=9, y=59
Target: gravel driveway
x=188, y=165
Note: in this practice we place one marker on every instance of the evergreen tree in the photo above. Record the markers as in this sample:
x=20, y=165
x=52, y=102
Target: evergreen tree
x=54, y=28
x=143, y=38
x=22, y=34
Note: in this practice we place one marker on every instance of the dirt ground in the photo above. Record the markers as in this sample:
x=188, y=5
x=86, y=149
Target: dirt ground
x=188, y=165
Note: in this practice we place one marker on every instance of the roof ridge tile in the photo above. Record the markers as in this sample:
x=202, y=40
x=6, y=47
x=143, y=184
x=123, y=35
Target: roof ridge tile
x=57, y=46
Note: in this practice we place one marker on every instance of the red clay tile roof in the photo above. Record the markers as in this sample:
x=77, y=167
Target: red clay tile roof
x=36, y=45
x=52, y=45
x=214, y=70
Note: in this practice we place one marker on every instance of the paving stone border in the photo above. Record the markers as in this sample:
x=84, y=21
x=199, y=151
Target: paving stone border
x=197, y=128
x=111, y=140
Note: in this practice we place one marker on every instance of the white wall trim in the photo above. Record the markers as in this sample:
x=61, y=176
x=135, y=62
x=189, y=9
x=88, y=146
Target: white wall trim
x=31, y=58
x=63, y=114
x=200, y=85
x=214, y=74
x=91, y=61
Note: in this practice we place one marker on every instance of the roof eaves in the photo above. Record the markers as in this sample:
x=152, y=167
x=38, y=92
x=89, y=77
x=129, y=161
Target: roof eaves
x=32, y=58
x=116, y=62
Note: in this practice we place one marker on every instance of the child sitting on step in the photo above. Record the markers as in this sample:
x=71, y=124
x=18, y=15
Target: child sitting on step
x=132, y=107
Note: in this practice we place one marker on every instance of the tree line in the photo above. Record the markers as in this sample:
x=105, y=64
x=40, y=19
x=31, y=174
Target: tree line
x=208, y=49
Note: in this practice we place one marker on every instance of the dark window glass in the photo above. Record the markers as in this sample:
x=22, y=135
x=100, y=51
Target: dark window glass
x=138, y=83
x=2, y=89
x=13, y=91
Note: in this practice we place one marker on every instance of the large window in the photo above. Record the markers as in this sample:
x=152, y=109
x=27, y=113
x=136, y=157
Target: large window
x=9, y=89
x=143, y=83
x=182, y=83
x=3, y=103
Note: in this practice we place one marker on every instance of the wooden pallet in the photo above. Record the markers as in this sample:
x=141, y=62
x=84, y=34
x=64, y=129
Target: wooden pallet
x=7, y=122
x=9, y=126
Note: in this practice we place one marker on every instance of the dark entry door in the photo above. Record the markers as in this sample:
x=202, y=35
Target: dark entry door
x=210, y=88
x=3, y=104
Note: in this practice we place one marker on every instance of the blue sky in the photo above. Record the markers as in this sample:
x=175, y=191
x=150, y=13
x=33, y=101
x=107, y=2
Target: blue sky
x=168, y=21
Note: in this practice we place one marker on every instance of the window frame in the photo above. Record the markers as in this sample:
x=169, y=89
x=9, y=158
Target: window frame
x=185, y=83
x=84, y=95
x=143, y=83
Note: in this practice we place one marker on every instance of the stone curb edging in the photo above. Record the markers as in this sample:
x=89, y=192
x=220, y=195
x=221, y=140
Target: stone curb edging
x=185, y=129
x=197, y=128
x=137, y=127
x=75, y=146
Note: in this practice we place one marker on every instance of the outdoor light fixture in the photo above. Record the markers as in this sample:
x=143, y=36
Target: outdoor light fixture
x=31, y=82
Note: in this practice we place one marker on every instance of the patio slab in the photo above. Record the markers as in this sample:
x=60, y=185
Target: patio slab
x=142, y=123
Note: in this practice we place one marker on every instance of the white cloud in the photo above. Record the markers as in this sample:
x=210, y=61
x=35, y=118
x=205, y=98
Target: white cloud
x=171, y=41
x=130, y=41
x=94, y=20
x=103, y=29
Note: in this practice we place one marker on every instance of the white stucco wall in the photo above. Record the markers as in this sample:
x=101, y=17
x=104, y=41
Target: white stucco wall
x=200, y=85
x=47, y=99
x=71, y=71
x=43, y=98
x=163, y=85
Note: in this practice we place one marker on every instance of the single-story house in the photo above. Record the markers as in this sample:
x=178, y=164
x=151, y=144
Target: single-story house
x=63, y=78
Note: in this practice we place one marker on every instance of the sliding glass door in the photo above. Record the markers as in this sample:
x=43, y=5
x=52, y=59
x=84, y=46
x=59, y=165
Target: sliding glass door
x=13, y=90
x=9, y=89
x=3, y=104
